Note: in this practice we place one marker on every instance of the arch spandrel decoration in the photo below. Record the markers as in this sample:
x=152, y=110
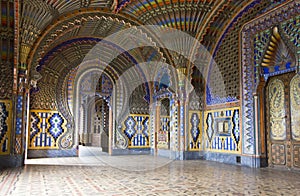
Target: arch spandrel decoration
x=249, y=81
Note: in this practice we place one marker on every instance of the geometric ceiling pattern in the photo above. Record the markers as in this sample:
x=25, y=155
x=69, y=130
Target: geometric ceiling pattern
x=51, y=22
x=60, y=33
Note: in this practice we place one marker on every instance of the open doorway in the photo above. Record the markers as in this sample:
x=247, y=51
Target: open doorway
x=93, y=111
x=98, y=124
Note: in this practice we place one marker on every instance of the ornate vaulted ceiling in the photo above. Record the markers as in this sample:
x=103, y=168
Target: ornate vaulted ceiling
x=57, y=34
x=46, y=24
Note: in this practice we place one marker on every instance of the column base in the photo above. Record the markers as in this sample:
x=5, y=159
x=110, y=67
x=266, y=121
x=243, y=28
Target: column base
x=11, y=161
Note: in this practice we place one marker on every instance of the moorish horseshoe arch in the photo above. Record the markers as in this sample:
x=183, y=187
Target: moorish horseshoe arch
x=90, y=68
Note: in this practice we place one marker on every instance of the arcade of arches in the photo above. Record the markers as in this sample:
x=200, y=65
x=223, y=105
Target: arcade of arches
x=69, y=78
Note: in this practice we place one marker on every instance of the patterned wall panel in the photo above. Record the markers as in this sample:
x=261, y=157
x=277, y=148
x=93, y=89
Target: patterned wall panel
x=222, y=130
x=46, y=128
x=278, y=154
x=136, y=128
x=274, y=18
x=292, y=28
x=163, y=135
x=5, y=126
x=19, y=120
x=296, y=154
x=295, y=107
x=195, y=130
x=173, y=126
x=277, y=110
x=7, y=48
x=226, y=57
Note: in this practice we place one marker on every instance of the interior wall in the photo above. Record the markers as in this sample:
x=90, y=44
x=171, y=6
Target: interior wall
x=256, y=68
x=7, y=40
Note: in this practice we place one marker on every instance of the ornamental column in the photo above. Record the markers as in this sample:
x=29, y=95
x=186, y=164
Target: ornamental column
x=21, y=101
x=182, y=103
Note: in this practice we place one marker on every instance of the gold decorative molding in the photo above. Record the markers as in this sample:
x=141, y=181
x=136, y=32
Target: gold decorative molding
x=268, y=59
x=24, y=51
x=181, y=72
x=295, y=107
x=277, y=110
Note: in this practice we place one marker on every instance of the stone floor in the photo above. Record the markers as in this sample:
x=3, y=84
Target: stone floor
x=143, y=175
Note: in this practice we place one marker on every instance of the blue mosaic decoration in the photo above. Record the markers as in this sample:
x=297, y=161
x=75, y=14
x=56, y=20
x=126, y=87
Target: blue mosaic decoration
x=163, y=134
x=3, y=128
x=165, y=123
x=34, y=125
x=106, y=86
x=19, y=115
x=209, y=130
x=213, y=100
x=46, y=128
x=223, y=130
x=260, y=42
x=210, y=98
x=56, y=122
x=236, y=125
x=137, y=131
x=227, y=144
x=130, y=127
x=146, y=127
x=292, y=29
x=195, y=140
x=195, y=130
x=121, y=4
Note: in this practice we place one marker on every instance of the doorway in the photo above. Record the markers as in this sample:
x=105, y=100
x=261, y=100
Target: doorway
x=283, y=121
x=163, y=133
x=99, y=124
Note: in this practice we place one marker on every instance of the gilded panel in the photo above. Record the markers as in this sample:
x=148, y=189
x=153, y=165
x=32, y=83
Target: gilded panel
x=5, y=126
x=295, y=107
x=277, y=110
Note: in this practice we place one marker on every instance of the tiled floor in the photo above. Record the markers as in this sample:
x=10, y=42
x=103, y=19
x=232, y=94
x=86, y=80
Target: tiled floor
x=144, y=175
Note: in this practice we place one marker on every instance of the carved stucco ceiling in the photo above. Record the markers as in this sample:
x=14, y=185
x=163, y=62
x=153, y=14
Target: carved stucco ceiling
x=85, y=25
x=36, y=15
x=45, y=24
x=89, y=26
x=196, y=17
